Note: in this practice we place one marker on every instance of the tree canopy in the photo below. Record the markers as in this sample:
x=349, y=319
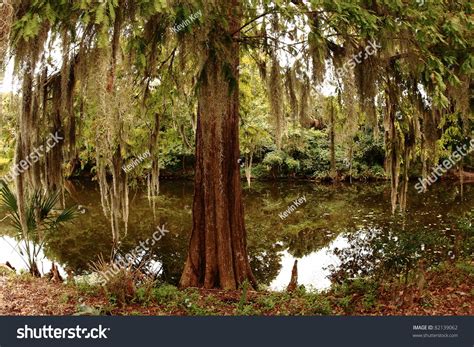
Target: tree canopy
x=119, y=77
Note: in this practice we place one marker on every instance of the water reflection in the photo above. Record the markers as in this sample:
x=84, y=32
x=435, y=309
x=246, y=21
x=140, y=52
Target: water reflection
x=9, y=252
x=313, y=269
x=315, y=228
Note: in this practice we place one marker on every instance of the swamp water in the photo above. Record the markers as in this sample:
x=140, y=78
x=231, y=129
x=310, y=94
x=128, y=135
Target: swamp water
x=331, y=219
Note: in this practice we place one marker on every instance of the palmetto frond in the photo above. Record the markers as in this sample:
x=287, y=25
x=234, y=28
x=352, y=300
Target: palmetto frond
x=47, y=203
x=66, y=215
x=41, y=219
x=9, y=201
x=7, y=197
x=41, y=215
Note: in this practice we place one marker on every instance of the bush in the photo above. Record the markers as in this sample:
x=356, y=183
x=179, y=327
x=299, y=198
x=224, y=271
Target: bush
x=369, y=151
x=120, y=287
x=144, y=294
x=318, y=304
x=166, y=294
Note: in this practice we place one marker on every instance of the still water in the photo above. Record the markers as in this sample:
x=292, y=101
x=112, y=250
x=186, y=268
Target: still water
x=310, y=231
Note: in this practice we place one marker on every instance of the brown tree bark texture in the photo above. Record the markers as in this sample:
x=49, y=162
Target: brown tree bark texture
x=217, y=256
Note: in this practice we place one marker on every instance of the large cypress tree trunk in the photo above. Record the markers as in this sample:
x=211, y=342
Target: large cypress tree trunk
x=217, y=256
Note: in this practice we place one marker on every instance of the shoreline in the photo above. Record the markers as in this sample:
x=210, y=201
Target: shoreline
x=448, y=292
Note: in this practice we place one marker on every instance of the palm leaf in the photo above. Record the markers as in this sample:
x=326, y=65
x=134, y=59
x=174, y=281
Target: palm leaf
x=66, y=215
x=8, y=198
x=9, y=201
x=38, y=219
x=47, y=204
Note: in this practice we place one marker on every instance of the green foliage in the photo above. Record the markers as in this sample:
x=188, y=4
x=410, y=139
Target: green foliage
x=268, y=302
x=166, y=294
x=120, y=287
x=360, y=290
x=5, y=271
x=243, y=297
x=191, y=302
x=85, y=310
x=86, y=288
x=42, y=219
x=381, y=254
x=144, y=294
x=466, y=267
x=165, y=73
x=318, y=304
x=368, y=150
x=274, y=160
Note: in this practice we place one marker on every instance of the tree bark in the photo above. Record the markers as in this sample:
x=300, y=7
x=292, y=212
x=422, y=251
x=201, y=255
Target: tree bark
x=217, y=256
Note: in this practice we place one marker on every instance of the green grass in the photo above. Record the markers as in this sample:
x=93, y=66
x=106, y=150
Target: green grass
x=86, y=288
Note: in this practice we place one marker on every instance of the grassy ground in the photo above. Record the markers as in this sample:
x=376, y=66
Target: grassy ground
x=448, y=290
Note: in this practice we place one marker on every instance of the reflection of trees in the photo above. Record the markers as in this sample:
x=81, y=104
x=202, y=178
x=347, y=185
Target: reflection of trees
x=265, y=263
x=392, y=253
x=76, y=246
x=307, y=230
x=303, y=232
x=82, y=243
x=307, y=241
x=262, y=237
x=170, y=252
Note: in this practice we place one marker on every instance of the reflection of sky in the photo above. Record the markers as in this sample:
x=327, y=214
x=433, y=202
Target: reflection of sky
x=311, y=268
x=151, y=266
x=9, y=251
x=312, y=272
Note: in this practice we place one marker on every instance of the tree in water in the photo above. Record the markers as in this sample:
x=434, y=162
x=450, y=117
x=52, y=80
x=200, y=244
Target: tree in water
x=114, y=50
x=218, y=251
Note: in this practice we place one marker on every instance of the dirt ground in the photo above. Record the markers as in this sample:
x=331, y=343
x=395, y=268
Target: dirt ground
x=26, y=295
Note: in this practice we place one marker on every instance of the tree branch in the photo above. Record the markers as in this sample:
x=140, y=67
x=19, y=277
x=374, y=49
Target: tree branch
x=253, y=20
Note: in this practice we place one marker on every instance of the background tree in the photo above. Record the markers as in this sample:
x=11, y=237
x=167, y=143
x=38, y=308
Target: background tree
x=125, y=83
